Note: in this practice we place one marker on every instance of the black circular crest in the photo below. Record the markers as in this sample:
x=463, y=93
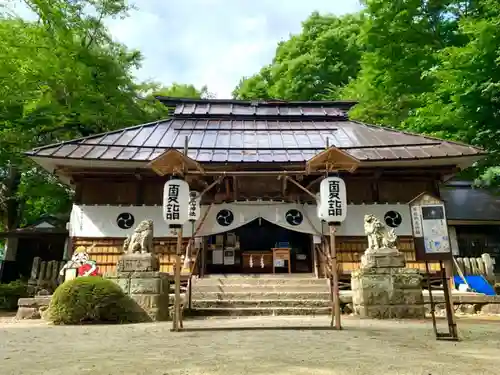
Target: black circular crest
x=224, y=217
x=125, y=220
x=294, y=217
x=393, y=219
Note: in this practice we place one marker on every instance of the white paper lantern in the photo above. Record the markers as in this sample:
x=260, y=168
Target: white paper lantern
x=318, y=206
x=333, y=200
x=194, y=206
x=175, y=202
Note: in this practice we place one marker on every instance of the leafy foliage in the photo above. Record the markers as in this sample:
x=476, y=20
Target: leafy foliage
x=10, y=294
x=311, y=65
x=430, y=67
x=92, y=299
x=63, y=77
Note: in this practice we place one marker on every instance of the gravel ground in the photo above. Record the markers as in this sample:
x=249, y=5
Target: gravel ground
x=213, y=346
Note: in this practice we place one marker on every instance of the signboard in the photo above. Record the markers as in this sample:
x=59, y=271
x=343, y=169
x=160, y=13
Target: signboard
x=435, y=230
x=332, y=200
x=175, y=202
x=430, y=228
x=194, y=206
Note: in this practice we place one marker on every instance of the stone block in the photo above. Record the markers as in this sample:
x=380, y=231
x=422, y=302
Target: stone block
x=408, y=280
x=491, y=308
x=382, y=260
x=146, y=286
x=407, y=297
x=147, y=301
x=390, y=311
x=123, y=283
x=146, y=262
x=28, y=313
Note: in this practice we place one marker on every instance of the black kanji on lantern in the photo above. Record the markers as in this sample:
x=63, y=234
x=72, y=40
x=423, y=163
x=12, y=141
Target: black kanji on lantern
x=334, y=200
x=172, y=208
x=192, y=206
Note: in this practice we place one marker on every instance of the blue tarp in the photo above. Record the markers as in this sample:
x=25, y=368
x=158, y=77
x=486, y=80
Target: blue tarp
x=477, y=283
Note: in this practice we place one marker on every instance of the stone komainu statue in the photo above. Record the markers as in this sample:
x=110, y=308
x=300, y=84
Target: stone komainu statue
x=141, y=241
x=379, y=237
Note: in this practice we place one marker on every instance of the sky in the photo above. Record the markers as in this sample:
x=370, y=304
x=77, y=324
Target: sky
x=213, y=42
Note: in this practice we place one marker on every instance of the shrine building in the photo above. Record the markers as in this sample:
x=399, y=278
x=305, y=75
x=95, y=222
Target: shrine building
x=259, y=164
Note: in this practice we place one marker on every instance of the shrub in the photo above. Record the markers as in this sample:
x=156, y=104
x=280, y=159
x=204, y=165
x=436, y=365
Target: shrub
x=92, y=299
x=11, y=292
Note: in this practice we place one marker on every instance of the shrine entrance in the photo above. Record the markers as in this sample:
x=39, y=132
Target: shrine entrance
x=259, y=247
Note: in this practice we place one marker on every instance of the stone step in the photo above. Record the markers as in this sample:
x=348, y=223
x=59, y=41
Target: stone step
x=252, y=288
x=202, y=304
x=248, y=311
x=260, y=295
x=267, y=280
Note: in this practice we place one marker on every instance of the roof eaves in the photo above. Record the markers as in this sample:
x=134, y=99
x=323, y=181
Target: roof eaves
x=34, y=151
x=478, y=150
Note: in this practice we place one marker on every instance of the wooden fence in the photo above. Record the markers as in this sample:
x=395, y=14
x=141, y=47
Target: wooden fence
x=45, y=274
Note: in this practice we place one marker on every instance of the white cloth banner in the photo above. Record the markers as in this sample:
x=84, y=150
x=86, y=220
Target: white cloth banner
x=120, y=221
x=227, y=217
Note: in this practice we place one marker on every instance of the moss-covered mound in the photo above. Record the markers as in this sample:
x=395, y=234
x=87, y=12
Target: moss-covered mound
x=92, y=299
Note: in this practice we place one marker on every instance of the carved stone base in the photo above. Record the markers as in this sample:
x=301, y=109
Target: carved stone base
x=382, y=288
x=149, y=290
x=138, y=276
x=383, y=258
x=146, y=262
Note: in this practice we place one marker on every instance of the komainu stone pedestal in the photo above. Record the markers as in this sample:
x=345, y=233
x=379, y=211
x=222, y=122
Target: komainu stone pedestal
x=383, y=288
x=139, y=277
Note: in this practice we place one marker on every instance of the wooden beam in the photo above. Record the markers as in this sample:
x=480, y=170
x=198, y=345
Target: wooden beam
x=301, y=187
x=283, y=186
x=174, y=162
x=228, y=189
x=235, y=188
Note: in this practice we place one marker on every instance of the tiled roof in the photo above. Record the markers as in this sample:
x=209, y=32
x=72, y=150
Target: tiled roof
x=466, y=203
x=226, y=131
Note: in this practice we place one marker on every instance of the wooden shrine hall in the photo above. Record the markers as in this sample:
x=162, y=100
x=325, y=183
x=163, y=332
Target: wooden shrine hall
x=258, y=164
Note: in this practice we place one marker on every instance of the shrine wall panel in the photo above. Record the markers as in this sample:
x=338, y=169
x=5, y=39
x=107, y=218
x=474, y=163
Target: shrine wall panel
x=403, y=191
x=350, y=249
x=101, y=191
x=106, y=252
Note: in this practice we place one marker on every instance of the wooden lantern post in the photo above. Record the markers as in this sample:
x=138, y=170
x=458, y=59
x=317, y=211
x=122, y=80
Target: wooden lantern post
x=177, y=320
x=335, y=279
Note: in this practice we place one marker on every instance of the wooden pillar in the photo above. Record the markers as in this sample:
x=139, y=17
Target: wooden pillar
x=177, y=322
x=335, y=276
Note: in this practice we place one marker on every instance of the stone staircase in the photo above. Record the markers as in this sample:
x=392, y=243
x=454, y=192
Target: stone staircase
x=260, y=295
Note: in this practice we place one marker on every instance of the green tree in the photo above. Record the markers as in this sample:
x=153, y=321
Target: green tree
x=401, y=40
x=181, y=90
x=312, y=65
x=60, y=77
x=464, y=103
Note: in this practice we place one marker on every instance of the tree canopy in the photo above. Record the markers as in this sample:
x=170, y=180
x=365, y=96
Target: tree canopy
x=62, y=76
x=312, y=65
x=430, y=67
